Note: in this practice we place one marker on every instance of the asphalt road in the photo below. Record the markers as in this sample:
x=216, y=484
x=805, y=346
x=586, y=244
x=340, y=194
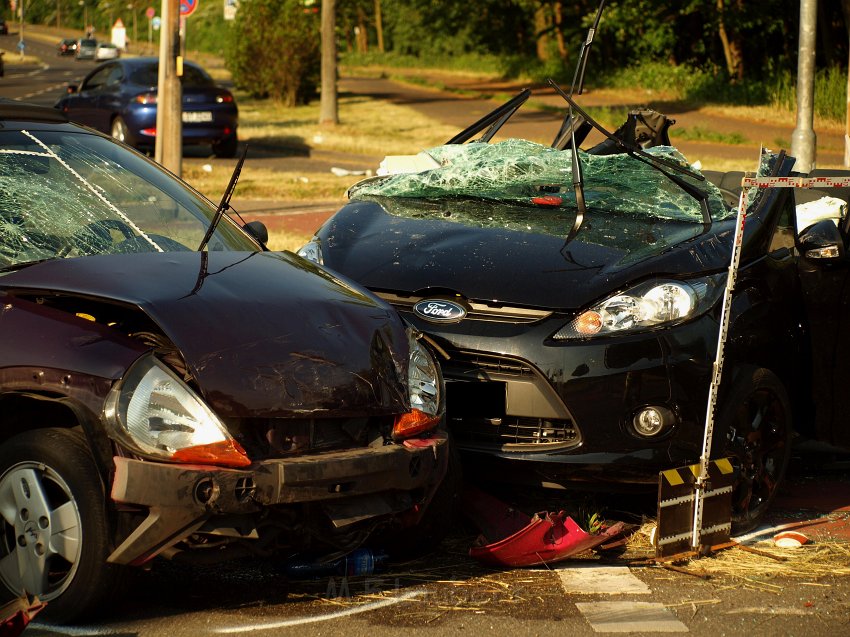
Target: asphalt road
x=447, y=593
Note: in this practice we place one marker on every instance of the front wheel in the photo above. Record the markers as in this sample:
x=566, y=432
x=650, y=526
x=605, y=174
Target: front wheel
x=54, y=540
x=756, y=418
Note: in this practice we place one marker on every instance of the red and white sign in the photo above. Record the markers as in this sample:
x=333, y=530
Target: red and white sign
x=187, y=7
x=150, y=12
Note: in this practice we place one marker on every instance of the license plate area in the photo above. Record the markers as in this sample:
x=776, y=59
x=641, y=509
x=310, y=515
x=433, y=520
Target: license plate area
x=197, y=117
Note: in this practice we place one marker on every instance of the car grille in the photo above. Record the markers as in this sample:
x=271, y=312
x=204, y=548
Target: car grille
x=475, y=311
x=265, y=438
x=491, y=403
x=515, y=434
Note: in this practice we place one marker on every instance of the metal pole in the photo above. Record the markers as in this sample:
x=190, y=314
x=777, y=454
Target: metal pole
x=169, y=126
x=804, y=140
x=21, y=32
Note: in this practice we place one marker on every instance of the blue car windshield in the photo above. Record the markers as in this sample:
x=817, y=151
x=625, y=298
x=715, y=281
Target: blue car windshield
x=71, y=193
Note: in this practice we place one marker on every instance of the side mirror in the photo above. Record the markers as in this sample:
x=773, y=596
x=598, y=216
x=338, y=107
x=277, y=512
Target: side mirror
x=258, y=230
x=821, y=241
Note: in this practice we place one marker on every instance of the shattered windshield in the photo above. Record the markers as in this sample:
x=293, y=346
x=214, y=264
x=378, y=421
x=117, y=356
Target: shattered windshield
x=519, y=171
x=69, y=194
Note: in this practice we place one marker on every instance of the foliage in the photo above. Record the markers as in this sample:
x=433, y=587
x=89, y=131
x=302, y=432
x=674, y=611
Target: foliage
x=273, y=50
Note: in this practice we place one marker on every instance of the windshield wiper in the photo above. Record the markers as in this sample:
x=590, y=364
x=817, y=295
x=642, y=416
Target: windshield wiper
x=658, y=163
x=577, y=87
x=225, y=201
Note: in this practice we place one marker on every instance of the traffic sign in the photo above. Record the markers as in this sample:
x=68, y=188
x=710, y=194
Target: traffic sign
x=156, y=23
x=187, y=7
x=150, y=12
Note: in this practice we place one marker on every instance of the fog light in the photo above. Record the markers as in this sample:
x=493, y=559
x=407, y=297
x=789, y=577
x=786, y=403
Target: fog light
x=651, y=421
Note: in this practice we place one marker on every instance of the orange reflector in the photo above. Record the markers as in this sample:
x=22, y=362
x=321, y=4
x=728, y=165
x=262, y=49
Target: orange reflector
x=588, y=323
x=227, y=453
x=413, y=422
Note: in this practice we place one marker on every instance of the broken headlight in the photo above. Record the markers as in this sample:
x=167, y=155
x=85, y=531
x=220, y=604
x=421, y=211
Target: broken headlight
x=425, y=385
x=649, y=304
x=157, y=415
x=312, y=251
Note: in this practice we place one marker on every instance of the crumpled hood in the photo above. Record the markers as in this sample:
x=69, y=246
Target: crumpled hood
x=485, y=256
x=263, y=334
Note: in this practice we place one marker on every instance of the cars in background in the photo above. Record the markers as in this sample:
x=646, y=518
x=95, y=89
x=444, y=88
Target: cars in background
x=170, y=387
x=67, y=46
x=119, y=98
x=107, y=51
x=86, y=49
x=4, y=28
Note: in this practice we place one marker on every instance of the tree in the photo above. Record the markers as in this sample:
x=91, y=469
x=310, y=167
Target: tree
x=328, y=102
x=274, y=50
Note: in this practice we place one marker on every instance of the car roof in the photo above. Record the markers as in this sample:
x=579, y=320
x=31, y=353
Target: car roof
x=14, y=110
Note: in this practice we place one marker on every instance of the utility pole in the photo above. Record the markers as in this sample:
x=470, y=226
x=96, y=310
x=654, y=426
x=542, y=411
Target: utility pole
x=169, y=102
x=803, y=139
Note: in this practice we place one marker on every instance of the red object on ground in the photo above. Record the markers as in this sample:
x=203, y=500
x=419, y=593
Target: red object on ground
x=15, y=615
x=547, y=200
x=512, y=538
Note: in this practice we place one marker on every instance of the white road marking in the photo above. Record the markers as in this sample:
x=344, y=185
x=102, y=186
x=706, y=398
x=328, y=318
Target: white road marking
x=611, y=580
x=72, y=631
x=299, y=621
x=630, y=617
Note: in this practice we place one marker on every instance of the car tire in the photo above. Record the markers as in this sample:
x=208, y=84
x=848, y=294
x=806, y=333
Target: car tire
x=756, y=420
x=48, y=478
x=226, y=148
x=120, y=131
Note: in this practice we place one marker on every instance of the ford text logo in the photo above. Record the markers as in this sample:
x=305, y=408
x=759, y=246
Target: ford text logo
x=439, y=311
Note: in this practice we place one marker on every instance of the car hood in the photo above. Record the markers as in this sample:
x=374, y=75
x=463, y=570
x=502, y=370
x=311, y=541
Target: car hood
x=509, y=254
x=262, y=334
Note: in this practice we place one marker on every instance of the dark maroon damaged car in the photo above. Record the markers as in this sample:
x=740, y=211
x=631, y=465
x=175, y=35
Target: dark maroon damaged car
x=161, y=400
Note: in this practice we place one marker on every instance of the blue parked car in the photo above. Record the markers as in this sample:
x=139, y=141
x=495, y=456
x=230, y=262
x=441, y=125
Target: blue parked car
x=119, y=97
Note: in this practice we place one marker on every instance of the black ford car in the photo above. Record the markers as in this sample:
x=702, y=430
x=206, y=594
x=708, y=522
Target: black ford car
x=578, y=343
x=170, y=388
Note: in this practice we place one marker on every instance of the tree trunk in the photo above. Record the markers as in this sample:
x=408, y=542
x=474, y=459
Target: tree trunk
x=541, y=30
x=379, y=25
x=732, y=44
x=362, y=32
x=328, y=115
x=558, y=9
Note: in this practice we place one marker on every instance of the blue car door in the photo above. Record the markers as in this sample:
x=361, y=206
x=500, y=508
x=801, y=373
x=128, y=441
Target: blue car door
x=84, y=107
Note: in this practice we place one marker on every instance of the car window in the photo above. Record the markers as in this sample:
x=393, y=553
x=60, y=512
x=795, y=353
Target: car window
x=193, y=76
x=88, y=43
x=68, y=194
x=97, y=79
x=116, y=74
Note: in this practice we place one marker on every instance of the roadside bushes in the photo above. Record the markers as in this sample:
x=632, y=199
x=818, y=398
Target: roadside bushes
x=274, y=50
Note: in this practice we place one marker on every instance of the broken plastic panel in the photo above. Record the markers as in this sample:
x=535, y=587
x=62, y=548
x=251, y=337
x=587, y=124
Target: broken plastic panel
x=518, y=170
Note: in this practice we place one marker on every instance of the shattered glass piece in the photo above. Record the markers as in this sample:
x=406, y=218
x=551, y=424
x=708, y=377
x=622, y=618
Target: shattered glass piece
x=518, y=170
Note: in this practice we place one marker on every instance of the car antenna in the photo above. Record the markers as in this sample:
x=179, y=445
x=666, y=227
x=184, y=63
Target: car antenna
x=576, y=89
x=225, y=201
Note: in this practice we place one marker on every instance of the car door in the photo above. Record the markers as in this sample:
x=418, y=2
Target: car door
x=110, y=99
x=84, y=107
x=826, y=297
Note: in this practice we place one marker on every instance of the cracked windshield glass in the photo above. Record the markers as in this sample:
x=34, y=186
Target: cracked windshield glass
x=515, y=171
x=73, y=194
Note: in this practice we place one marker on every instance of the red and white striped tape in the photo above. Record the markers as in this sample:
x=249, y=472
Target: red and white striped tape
x=796, y=182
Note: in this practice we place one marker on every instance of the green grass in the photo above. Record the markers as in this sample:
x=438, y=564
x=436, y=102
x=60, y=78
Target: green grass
x=702, y=134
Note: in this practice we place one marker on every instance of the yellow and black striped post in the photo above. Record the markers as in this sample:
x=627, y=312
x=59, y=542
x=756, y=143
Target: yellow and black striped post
x=676, y=500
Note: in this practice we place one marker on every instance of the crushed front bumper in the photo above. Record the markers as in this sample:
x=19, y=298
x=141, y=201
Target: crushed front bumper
x=181, y=498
